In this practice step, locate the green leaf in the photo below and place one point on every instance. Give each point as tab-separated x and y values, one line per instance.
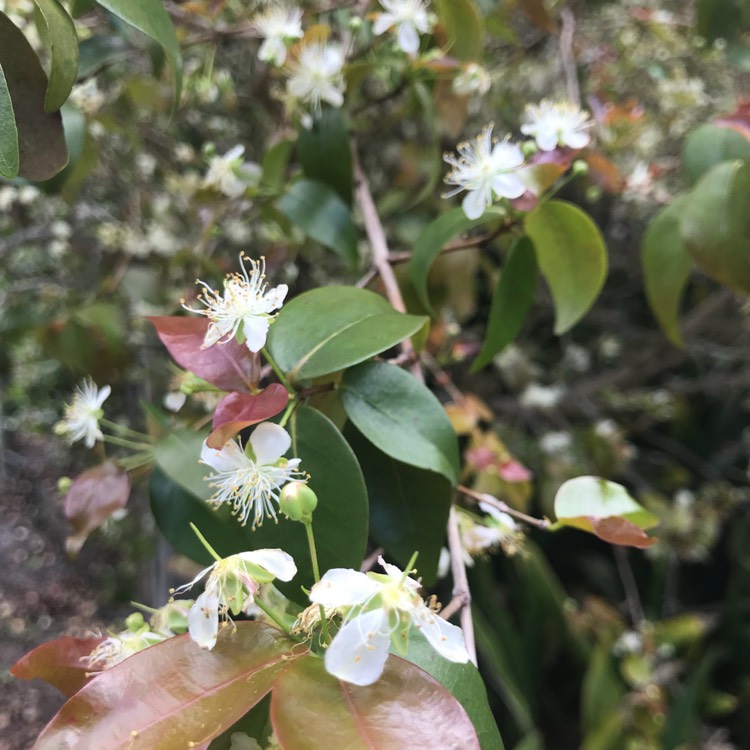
710	145
419	499
9	159
463	22
150	17
274	164
430	243
601	691
174	509
715	224
465	685
340	520
666	267
405	708
572	257
59	34
178	456
173	694
41	151
328	329
324	153
511	301
323	216
401	416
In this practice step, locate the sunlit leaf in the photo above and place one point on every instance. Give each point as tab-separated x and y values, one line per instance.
572	257
59	33
9	157
401	416
328	329
60	663
197	693
405	708
239	410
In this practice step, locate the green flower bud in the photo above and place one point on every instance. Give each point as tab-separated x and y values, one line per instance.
63	485
135	623
580	167
298	502
529	148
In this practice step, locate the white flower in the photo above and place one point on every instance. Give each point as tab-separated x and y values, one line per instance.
81	417
473	79
484	170
245	303
118	647
223	173
317	77
231	587
243	741
552	124
251	484
542	397
277	25
410	19
379	610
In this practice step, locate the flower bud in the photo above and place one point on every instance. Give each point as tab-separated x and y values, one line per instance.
298	502
580	167
63	485
135	622
529	148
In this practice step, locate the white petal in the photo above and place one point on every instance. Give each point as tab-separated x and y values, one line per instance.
546	140
508	186
393	572
507	155
275	561
382	23
359	651
474	204
446	639
106	390
203	620
408	39
275	297
341	587
230	458
576	139
270	442
255	328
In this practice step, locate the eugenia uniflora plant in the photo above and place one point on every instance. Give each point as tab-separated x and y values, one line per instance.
313	628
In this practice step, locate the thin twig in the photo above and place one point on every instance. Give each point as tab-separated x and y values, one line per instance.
460	585
380	253
632	597
567	55
480	497
369	562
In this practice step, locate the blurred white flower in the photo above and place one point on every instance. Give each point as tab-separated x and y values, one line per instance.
542	397
379	610
117	648
278	25
223	173
243	741
81	416
485	169
555	124
317	75
174	400
555	443
232	585
245	303
410	19
251	484
473	79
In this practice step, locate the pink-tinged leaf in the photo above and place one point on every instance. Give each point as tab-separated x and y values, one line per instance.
239	410
513	471
738	120
59	662
173	695
618	530
229	366
405	708
604	173
92	498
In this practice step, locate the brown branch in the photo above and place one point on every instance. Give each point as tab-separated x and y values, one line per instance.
480	497
567	55
369	562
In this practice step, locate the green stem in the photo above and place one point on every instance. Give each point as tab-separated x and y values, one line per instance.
316	576
124	430
211	551
277	370
125	443
274	616
288	413
136	460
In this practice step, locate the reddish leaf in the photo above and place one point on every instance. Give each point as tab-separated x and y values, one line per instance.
173	695
604	173
59	662
738	120
513	471
230	366
92	498
618	530
405	708
239	410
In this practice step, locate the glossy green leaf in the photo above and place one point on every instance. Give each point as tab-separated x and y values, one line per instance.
41	140
715	224
401	416
666	267
174	509
430	243
340	520
325	155
9	157
464	683
710	145
151	18
59	33
405	708
511	300
174	694
178	456
572	256
418	498
463	22
328	329
319	211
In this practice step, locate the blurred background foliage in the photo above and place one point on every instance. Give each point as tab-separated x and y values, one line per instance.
581	644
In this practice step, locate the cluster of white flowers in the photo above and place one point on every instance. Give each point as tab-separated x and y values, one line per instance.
554	124
81	416
245	303
317	75
278	25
